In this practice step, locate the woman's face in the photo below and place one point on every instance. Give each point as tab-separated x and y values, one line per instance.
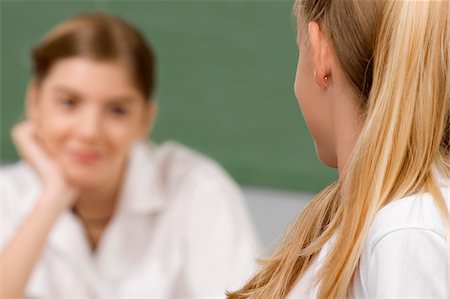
314	103
88	115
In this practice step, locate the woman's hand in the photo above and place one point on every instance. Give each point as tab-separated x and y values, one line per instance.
20	254
57	189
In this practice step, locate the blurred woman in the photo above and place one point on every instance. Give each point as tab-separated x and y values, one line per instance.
93	211
373	83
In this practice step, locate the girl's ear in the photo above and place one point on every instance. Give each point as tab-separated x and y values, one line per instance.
149	118
320	54
31	100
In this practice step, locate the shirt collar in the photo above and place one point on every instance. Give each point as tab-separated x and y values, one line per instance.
142	190
142	194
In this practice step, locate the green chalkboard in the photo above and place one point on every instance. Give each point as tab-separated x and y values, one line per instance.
226	72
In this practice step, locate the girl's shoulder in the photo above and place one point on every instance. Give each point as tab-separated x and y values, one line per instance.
18	178
180	175
405	252
414	212
178	164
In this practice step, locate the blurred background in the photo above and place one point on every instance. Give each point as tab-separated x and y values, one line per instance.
225	70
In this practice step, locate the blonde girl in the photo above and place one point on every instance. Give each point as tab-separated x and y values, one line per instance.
373	83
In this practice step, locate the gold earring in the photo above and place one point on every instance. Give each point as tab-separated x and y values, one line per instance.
325	80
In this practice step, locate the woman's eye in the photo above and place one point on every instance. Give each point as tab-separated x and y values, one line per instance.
67	102
119	111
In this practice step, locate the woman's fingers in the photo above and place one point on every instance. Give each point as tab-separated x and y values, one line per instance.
31	149
24	136
21	136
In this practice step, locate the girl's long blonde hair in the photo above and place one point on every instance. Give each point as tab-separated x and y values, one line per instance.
396	56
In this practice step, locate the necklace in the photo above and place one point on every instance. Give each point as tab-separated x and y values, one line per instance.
92	222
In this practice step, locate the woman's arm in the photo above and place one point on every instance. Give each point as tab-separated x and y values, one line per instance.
20	254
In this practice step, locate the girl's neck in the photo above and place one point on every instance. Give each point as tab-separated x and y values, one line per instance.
95	208
348	123
98	203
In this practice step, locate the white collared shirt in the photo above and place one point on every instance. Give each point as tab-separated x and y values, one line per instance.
180	231
404	255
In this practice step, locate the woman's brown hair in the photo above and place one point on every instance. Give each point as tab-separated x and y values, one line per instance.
100	37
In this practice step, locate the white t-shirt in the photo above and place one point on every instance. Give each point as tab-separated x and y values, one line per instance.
404	256
181	231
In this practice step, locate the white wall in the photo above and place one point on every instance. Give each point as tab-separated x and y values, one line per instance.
272	211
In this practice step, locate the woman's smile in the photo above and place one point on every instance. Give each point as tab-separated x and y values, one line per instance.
86	157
